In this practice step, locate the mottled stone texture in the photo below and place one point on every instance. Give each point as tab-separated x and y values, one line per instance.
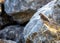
35	31
56	12
23	10
13	32
6	41
35	21
12	6
20	12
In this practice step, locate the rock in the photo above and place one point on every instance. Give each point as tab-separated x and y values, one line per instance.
56	13
22	11
13	32
35	29
6	41
36	22
22	5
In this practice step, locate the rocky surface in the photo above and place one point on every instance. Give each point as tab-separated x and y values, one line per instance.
35	31
23	10
12	6
13	32
19	12
6	41
56	13
35	21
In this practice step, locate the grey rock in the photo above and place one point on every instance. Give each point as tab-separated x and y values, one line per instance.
13	32
23	17
23	10
56	13
34	29
36	21
6	41
12	6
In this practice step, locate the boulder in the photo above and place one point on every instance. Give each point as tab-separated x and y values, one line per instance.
23	10
13	32
13	6
35	31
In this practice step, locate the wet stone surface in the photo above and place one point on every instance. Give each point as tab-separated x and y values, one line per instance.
13	6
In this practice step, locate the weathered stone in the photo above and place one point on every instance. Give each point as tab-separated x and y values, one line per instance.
13	32
23	10
56	12
12	6
6	41
36	25
36	21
